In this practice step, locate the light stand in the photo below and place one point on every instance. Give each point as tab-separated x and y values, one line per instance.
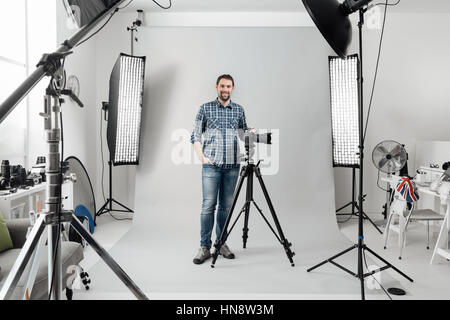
354	205
54	216
107	207
334	32
134	28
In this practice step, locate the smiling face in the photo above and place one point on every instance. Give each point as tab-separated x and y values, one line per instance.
225	89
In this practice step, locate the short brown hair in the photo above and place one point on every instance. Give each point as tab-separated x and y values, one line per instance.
225	76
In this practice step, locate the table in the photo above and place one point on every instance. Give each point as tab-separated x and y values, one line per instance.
17	205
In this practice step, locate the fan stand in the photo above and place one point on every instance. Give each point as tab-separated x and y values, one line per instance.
355	205
387	206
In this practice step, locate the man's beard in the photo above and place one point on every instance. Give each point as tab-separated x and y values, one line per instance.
224	96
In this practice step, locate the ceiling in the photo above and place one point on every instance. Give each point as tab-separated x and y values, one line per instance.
221	5
405	6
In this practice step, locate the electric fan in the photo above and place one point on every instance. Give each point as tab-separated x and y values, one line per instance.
389	156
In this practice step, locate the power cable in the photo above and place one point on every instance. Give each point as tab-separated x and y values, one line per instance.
100	29
162	7
367	267
126	5
103	162
386	4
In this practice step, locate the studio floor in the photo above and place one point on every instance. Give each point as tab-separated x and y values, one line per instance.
430	281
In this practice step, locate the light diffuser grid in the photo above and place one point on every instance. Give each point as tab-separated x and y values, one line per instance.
344	110
129	110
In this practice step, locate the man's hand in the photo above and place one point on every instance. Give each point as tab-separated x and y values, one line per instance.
206	160
251	130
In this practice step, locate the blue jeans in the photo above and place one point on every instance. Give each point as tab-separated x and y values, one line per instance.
216	183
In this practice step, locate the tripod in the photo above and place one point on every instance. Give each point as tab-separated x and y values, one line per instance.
355	205
247	172
107	207
361	246
53	215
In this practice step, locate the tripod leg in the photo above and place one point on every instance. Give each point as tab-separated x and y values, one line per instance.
360	267
123	206
343	207
365	216
224	235
22	260
103	208
286	244
34	267
110	262
247	209
332	258
388	264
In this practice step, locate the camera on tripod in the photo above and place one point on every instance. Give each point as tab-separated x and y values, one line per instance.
249	172
251	139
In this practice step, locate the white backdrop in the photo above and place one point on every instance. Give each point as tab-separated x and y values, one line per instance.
282	82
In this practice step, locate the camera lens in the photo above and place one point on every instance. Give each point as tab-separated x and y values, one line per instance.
6	170
446	165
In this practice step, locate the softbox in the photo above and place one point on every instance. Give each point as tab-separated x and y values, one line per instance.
126	92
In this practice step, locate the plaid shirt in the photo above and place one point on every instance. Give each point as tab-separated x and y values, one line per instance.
220	127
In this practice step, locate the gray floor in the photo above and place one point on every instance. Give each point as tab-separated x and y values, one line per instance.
259	272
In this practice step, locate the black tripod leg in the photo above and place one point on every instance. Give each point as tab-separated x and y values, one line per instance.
388	264
365	216
249	198
360	268
286	244
332	258
102	209
343	207
224	235
123	206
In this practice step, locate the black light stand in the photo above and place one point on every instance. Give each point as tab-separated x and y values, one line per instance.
360	246
134	28
354	205
108	206
53	216
247	172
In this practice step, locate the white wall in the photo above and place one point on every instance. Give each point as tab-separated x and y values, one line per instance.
80	125
412	97
410	101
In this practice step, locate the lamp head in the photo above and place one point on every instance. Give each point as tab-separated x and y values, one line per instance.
140	19
331	18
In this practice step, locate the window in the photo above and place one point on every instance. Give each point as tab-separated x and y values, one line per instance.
13	70
28	29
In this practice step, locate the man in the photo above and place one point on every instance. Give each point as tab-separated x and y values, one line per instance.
218	122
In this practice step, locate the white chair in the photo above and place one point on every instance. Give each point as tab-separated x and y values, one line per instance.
406	212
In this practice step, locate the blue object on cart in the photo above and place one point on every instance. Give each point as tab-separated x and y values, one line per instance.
82	211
